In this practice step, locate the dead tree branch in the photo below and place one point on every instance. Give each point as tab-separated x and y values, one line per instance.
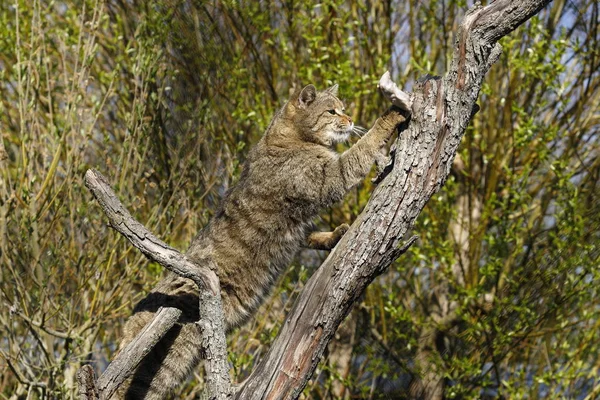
212	320
141	238
129	358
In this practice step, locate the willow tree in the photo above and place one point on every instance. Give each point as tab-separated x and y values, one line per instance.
494	298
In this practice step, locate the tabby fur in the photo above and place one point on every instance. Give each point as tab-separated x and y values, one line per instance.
289	177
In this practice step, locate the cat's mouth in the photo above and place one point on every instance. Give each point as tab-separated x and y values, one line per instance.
343	134
339	137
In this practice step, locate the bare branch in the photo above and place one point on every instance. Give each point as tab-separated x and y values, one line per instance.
129	358
212	320
500	18
140	237
44	328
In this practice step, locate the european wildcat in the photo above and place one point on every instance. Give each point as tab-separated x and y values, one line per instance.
288	178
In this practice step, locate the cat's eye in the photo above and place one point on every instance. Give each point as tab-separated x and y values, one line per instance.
332	112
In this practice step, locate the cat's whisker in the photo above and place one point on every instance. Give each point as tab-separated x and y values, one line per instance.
359	131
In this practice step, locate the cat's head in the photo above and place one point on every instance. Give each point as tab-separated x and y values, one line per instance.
320	116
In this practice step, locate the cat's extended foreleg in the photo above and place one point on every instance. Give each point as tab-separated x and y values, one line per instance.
348	169
326	240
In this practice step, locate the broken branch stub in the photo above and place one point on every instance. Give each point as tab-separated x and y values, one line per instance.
392	92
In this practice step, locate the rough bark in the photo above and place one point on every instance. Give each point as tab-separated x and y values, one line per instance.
212	319
441	111
86	383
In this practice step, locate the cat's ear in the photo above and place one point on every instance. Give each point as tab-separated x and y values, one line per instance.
333	90
307	96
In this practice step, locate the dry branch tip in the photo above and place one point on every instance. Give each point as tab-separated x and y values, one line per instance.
393	93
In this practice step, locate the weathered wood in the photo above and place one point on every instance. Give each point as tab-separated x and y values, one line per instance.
392	92
218	384
141	238
212	320
124	365
441	110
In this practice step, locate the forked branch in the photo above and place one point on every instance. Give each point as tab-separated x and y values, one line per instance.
211	322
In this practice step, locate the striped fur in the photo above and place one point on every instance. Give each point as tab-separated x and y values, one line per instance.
289	177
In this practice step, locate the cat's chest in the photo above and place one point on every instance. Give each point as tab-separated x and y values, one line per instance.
284	245
296	233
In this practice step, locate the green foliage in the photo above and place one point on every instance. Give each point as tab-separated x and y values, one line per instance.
523	229
499	296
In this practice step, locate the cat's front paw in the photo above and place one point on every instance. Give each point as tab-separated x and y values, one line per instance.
392	117
383	166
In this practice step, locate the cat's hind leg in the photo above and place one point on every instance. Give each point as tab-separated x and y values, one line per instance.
326	240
